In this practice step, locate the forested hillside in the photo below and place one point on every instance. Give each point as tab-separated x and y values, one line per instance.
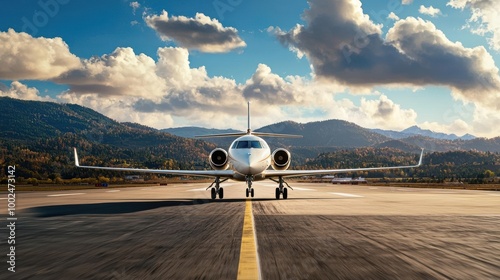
38	138
455	165
32	120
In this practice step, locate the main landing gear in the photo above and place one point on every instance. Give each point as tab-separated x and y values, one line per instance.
217	190
281	189
249	191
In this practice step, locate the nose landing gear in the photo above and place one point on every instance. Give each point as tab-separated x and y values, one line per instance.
249	191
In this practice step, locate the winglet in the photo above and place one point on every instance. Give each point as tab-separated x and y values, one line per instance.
421	157
77	163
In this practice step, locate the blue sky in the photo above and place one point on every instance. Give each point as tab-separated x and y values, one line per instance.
241	50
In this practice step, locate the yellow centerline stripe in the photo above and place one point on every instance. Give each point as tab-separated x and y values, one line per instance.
248	267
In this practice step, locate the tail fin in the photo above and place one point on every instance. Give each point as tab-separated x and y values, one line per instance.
249	129
264	134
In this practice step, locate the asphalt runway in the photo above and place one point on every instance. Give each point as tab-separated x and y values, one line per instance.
321	231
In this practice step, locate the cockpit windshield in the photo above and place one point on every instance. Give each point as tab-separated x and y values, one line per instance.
247	145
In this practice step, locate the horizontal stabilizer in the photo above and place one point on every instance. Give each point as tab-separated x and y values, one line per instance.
265	134
238	134
234	134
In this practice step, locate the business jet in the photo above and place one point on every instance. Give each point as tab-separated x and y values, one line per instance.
248	159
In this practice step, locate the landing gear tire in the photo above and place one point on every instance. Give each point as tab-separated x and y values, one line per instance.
251	192
277	193
285	193
221	193
214	194
247	192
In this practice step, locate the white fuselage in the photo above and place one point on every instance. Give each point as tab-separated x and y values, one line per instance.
249	155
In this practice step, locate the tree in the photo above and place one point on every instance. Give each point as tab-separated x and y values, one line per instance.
103	179
489	174
76	181
33	181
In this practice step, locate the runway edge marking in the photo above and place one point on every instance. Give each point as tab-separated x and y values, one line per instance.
248	267
346	194
65	194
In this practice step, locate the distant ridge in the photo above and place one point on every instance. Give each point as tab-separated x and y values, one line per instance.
329	133
417	131
325	135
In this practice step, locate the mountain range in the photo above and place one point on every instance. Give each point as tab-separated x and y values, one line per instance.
26	121
38	136
417	131
343	134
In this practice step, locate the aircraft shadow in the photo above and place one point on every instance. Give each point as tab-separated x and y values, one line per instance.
127	206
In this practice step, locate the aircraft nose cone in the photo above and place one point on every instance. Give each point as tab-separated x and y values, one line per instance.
247	164
247	168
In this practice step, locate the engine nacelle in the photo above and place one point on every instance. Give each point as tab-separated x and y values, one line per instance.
280	159
218	159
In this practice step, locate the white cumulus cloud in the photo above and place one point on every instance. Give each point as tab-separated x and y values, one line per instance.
484	19
385	113
458	127
430	11
393	16
119	73
135	5
345	46
470	72
23	57
21	91
201	32
130	87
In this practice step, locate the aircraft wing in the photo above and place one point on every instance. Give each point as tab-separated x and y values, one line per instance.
202	173
296	173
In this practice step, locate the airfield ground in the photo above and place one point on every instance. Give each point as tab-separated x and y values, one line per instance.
322	231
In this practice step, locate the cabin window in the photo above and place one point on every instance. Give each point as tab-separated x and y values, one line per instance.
255	144
242	145
247	145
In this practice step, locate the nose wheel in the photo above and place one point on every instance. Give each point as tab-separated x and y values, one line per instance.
249	191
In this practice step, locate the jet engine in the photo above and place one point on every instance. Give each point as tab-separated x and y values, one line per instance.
280	159
218	159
